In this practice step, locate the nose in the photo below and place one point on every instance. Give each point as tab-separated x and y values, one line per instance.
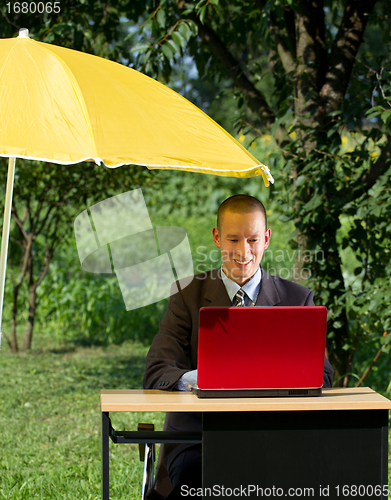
244	248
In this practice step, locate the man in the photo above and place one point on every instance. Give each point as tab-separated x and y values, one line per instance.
242	237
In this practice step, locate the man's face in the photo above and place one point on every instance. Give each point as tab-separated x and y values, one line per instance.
242	239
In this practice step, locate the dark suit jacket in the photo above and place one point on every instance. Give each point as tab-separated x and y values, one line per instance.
174	349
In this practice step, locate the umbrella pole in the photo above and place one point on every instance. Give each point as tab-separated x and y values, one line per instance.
6	232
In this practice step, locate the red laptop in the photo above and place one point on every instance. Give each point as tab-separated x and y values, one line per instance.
261	351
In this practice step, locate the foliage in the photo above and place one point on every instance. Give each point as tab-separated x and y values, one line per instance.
308	73
88	26
89	310
311	73
47	198
354	285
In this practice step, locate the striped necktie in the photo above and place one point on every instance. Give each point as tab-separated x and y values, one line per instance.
239	298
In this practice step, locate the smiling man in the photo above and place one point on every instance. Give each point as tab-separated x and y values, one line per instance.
242	237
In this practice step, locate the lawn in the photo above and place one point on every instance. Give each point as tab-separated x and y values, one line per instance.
50	444
50	419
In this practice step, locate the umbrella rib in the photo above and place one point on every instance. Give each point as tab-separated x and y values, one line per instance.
79	96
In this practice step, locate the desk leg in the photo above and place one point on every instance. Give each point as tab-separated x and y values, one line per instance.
105	455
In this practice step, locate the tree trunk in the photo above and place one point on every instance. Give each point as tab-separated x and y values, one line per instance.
14	337
32	286
28	336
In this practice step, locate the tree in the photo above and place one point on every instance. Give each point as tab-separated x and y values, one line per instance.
313	73
305	72
47	198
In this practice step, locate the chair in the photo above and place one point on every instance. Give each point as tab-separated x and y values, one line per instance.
159	486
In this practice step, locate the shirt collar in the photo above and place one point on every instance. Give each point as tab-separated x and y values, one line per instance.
251	287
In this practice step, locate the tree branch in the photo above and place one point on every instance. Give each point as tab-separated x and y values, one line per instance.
49	250
19	223
255	99
45	268
371	176
284	52
343	53
310	57
39	228
371	365
286	46
24	266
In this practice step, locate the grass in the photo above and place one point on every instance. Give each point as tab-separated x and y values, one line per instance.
50	443
50	418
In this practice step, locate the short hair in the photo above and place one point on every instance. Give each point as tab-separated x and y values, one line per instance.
240	204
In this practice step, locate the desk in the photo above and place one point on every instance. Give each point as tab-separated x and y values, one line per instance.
320	443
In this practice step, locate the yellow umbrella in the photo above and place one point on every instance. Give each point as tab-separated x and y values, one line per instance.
65	106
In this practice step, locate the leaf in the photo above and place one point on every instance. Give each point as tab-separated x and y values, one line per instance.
146	56
168	51
176	48
178	39
335	113
202	13
361	212
161	18
315	201
200	4
184	30
140	48
300	180
130	35
375	108
49	38
386	116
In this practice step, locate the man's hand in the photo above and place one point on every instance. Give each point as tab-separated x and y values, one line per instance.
187	381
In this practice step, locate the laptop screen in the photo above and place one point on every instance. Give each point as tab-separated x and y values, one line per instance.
261	347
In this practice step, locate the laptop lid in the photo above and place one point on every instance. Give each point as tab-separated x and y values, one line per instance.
261	347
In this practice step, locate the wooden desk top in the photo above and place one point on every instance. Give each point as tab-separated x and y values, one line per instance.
360	398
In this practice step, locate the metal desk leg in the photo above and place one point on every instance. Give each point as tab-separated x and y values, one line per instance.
105	455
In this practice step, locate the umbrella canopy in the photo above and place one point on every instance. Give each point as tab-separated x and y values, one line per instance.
65	106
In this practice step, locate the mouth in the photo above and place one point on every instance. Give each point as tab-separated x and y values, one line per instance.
242	262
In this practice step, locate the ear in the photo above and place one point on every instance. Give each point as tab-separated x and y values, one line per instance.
267	238
216	237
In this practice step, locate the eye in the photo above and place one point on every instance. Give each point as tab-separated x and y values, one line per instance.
232	240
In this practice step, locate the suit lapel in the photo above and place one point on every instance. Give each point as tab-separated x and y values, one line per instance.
268	294
215	293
